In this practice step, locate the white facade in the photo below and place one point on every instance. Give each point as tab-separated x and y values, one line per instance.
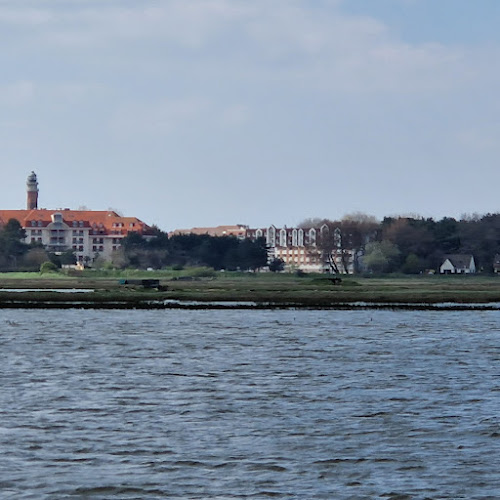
458	264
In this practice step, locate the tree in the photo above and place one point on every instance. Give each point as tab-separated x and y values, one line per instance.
142	252
412	237
34	258
345	239
48	267
379	256
11	245
68	258
252	254
276	265
312	222
412	264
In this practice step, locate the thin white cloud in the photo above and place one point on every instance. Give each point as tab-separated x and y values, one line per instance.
269	89
282	40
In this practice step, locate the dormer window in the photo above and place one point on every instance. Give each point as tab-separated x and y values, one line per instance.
57	218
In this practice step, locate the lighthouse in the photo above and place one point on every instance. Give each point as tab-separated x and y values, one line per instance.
32	192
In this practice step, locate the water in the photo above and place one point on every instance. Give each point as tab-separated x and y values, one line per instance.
249	404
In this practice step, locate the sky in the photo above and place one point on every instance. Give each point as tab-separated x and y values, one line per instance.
205	112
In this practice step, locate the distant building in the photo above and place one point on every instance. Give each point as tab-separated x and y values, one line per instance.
496	263
303	248
88	233
458	264
299	247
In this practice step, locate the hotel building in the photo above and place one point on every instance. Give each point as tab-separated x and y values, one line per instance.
88	233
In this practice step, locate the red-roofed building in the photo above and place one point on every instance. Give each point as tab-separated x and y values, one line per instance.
88	233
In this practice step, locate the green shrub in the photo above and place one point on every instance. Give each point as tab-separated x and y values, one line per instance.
48	267
203	272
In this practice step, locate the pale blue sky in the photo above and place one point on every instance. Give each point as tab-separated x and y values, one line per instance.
205	112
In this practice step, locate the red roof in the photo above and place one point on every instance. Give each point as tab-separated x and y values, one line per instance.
108	221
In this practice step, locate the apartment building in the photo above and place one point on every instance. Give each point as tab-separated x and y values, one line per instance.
300	248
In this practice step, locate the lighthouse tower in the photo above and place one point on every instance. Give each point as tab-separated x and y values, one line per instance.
32	191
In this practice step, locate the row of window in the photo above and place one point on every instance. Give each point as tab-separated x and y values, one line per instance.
81	223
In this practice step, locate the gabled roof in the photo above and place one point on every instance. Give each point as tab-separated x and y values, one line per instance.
459	261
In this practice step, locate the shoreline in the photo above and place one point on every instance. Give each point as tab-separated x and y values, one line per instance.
231	305
250	291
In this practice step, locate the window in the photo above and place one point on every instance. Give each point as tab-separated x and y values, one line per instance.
283	237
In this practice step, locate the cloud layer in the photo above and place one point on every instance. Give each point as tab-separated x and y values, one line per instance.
255	112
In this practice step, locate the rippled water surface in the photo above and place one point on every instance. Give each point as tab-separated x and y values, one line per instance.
249	404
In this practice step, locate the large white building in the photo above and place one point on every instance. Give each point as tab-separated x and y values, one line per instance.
300	248
88	233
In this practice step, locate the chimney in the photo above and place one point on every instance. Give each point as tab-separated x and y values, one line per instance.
32	192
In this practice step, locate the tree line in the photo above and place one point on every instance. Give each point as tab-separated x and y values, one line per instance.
218	252
413	244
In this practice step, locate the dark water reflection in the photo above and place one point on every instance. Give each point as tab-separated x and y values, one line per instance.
235	404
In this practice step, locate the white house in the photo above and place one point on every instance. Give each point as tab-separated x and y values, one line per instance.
458	264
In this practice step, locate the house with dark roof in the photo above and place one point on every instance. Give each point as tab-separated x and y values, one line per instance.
458	264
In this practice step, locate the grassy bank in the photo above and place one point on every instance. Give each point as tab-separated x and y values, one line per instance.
203	285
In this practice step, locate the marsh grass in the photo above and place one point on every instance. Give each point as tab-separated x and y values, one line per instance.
269	288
